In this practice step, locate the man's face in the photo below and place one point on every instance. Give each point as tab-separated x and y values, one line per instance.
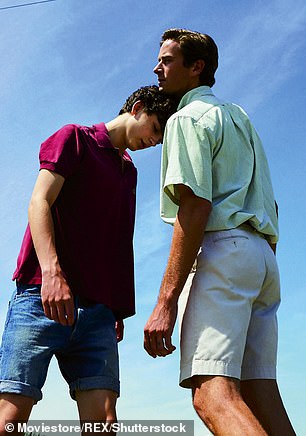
173	77
144	131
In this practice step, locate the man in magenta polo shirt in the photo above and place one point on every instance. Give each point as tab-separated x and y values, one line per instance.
75	270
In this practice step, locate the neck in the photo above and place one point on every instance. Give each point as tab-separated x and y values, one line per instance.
181	94
116	130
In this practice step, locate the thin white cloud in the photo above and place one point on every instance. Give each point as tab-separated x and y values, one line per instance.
263	51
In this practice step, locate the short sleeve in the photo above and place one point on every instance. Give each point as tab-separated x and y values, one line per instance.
187	158
62	152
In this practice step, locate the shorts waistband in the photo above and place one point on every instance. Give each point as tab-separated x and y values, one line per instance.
247	226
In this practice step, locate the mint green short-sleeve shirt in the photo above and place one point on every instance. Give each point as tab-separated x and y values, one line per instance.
212	147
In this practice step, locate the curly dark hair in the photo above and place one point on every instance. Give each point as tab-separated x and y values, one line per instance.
155	102
194	46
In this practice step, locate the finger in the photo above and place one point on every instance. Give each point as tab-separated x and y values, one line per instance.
168	343
53	312
161	350
47	309
69	312
147	344
157	344
152	343
61	313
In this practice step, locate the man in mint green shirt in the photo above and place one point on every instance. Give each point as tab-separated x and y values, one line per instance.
210	167
216	190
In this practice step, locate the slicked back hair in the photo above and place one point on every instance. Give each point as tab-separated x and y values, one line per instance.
195	46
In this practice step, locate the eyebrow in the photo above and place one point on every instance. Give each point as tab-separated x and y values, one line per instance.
160	58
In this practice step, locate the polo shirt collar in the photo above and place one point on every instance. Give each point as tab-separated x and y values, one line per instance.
103	139
102	136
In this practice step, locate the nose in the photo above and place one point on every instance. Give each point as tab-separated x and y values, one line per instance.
157	68
157	139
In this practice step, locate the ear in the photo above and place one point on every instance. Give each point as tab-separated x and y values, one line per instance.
137	107
198	67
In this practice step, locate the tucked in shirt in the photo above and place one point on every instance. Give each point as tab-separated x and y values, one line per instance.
212	147
93	218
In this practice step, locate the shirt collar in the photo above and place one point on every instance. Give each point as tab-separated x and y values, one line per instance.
193	94
103	139
102	136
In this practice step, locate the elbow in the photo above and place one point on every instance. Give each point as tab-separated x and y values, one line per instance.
201	206
207	206
32	209
37	207
194	213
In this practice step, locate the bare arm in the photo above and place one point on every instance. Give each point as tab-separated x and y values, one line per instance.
187	237
56	296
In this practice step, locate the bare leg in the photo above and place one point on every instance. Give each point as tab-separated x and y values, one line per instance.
263	398
218	403
14	407
97	405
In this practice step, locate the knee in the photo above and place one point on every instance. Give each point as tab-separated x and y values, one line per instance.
110	414
13	407
97	405
207	407
214	398
110	408
199	406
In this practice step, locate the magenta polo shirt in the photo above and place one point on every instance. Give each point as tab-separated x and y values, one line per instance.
93	218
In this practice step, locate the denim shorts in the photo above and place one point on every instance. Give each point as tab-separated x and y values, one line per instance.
228	309
87	352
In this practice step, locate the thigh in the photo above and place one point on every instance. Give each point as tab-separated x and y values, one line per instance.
91	359
215	323
27	344
214	392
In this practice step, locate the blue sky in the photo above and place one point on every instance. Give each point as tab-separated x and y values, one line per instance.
76	61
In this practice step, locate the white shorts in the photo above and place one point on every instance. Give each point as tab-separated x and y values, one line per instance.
228	308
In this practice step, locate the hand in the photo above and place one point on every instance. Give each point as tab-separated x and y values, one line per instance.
57	299
158	331
119	329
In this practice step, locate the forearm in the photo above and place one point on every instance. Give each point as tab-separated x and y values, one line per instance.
187	237
42	231
188	234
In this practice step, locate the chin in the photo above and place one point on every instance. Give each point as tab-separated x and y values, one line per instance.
167	90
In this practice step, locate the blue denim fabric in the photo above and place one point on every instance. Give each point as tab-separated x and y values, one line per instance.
87	352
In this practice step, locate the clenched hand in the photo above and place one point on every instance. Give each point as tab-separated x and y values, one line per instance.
57	299
158	330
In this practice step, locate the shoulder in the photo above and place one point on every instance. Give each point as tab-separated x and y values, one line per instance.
64	134
197	114
200	106
65	141
70	130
